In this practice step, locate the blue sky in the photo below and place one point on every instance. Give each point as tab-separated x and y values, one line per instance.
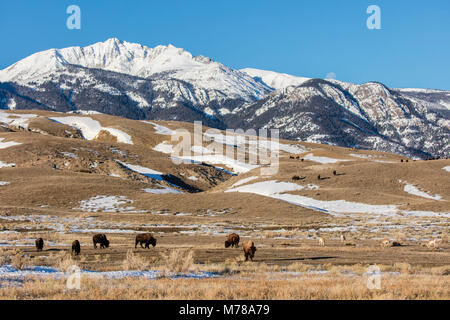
304	38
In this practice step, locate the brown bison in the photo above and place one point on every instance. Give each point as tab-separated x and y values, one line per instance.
249	250
76	248
232	240
39	244
145	238
101	239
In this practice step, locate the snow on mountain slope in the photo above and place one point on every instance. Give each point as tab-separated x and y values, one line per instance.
141	61
367	116
274	79
168	83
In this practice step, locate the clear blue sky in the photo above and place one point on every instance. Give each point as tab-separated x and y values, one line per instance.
304	38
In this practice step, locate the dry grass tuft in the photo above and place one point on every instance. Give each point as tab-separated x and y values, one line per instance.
135	261
19	260
63	261
179	260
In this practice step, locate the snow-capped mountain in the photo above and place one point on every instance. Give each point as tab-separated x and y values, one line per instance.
367	116
274	79
168	83
140	61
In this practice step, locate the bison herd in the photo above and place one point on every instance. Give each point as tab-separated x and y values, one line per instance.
147	239
232	240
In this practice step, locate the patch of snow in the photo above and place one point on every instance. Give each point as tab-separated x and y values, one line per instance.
201	150
275	189
235	165
4	183
322	160
447	168
143	170
243	181
193	178
411	189
427	214
90	128
70	154
159	129
4	145
164	147
6	165
164	190
16	119
106	204
9	272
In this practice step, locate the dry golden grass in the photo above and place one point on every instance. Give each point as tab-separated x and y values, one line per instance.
134	261
331	286
178	260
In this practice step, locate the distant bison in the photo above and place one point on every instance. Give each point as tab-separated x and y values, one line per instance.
249	250
321	242
385	243
232	240
39	244
434	243
145	238
101	239
76	248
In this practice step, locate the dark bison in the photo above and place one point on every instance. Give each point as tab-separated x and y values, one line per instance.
39	244
249	250
101	239
232	240
145	238
76	248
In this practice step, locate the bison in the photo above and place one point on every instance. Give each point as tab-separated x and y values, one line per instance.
232	240
145	238
101	239
249	250
321	242
39	244
76	248
434	243
385	243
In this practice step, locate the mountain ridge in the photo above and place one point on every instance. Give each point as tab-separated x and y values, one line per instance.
168	83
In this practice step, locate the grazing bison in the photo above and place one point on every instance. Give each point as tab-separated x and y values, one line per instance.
145	238
76	248
385	243
39	244
434	243
249	250
232	240
321	242
101	239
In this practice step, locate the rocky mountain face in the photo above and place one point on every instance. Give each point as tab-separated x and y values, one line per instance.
168	83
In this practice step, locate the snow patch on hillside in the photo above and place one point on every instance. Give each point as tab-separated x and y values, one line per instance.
91	128
4	145
159	129
16	119
6	165
411	189
323	160
275	189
